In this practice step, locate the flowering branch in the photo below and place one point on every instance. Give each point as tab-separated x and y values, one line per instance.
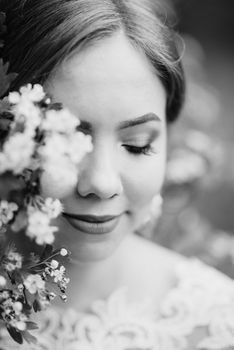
31	129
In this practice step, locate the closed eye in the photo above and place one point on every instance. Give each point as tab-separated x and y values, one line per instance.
137	150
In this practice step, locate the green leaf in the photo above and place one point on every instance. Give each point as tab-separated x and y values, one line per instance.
5	78
31	325
16	335
27	308
36	306
5	108
29	337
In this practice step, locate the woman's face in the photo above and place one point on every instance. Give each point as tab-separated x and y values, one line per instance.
112	88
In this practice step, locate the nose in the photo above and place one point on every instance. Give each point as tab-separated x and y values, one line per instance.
99	175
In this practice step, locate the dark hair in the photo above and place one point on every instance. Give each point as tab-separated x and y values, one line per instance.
42	33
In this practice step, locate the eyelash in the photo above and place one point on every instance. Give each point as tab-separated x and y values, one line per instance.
135	150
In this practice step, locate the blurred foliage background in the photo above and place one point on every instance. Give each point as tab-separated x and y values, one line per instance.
198	210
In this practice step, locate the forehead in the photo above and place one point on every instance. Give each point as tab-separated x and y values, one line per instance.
110	78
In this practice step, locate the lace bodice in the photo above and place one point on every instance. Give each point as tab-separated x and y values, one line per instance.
198	313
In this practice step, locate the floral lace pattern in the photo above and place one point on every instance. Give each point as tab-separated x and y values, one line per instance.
197	314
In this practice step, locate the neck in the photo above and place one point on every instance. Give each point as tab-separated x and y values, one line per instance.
97	279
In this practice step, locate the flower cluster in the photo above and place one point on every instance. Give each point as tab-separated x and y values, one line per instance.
12	310
13	261
7	212
39	226
25	288
40	148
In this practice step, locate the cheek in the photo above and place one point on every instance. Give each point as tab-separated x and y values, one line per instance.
144	180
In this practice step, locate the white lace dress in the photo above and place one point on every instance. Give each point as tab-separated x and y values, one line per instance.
198	313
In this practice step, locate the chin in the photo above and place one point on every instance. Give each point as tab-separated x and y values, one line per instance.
85	247
91	252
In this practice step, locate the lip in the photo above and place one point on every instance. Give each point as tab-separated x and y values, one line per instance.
93	224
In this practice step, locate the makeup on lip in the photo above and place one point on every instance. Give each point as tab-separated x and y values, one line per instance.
93	224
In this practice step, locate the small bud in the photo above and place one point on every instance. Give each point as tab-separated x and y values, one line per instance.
21	326
14	97
52	296
5	295
67	280
18	307
48	270
3	281
54	264
63	297
20	287
63	252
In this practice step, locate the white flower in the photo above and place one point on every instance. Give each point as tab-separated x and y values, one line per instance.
59	274
61	121
7	210
39	227
25	111
17	306
63	252
3	281
34	283
14	256
52	207
54	264
14	317
33	93
14	97
17	153
14	261
20	325
60	156
24	108
9	206
4	295
55	147
59	178
73	147
78	145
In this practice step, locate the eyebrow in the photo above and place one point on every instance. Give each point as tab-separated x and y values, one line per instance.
140	120
148	117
